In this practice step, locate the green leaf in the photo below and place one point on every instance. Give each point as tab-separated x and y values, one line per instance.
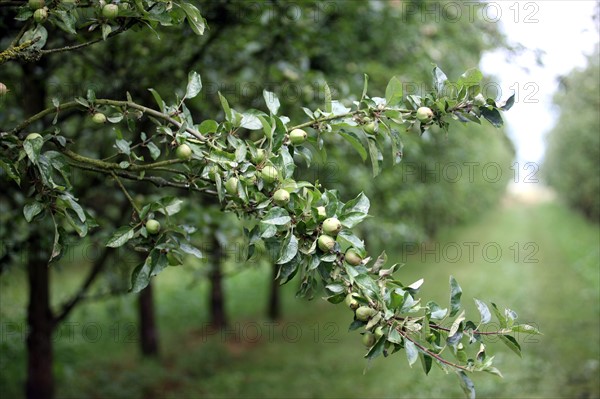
493	116
32	148
276	216
426	362
194	18
194	85
289	249
328	107
412	353
355	142
106	30
190	250
509	103
439	79
455	294
512	343
359	204
526	328
365	85
120	237
226	109
32	209
376	156
154	150
499	316
484	311
377	349
169	205
393	91
272	101
466	384
72	203
471	77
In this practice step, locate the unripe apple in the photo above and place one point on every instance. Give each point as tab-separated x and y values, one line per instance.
424	114
370	127
99	117
40	15
36	4
33	136
364	313
260	156
298	136
231	185
332	226
326	243
379	332
321	213
183	152
269	174
351	302
281	197
479	100
352	257
368	339
110	11
152	226
3	89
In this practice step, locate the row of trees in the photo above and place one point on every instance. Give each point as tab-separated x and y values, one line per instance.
141	142
573	156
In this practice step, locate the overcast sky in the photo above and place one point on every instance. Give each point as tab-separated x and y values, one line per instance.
565	32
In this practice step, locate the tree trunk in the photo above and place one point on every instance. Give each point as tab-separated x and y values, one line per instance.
40	381
274	307
148	329
218	316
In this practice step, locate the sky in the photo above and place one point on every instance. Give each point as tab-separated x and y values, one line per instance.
565	32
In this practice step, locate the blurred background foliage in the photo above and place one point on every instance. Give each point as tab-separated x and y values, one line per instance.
572	161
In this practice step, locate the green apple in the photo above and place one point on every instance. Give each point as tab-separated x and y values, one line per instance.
364	313
260	156
321	213
368	339
40	15
352	257
424	114
231	185
152	226
351	302
36	4
370	127
379	332
326	243
33	136
269	174
183	152
110	11
332	226
99	117
298	136
281	197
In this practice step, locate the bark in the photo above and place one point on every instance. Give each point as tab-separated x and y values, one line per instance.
40	381
274	306
218	314
148	328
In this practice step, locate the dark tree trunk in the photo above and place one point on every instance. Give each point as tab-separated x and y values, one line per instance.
40	382
148	329
274	307
218	316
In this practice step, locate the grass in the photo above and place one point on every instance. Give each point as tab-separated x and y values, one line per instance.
552	281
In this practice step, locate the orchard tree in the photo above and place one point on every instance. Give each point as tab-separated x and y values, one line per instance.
573	155
245	161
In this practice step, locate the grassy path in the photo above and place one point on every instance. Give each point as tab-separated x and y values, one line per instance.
540	259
